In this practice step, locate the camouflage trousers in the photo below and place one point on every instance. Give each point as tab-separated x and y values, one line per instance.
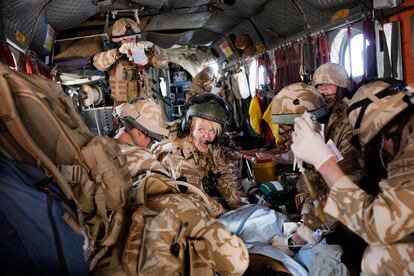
210	245
395	259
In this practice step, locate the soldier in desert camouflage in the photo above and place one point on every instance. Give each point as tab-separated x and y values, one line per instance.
332	81
381	113
142	123
128	63
292	101
195	156
202	82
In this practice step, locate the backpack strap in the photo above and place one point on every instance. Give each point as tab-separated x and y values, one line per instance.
14	125
192	189
152	184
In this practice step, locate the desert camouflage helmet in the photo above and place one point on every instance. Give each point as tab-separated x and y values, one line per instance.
125	28
204	78
375	104
331	73
145	115
207	106
293	100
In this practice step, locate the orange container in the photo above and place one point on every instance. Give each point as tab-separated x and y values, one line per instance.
264	170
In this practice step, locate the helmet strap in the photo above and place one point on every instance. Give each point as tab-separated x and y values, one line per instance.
131	135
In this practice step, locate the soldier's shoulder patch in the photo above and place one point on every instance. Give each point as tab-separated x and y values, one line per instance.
193	179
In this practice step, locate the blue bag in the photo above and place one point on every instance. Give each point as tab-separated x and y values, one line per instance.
34	237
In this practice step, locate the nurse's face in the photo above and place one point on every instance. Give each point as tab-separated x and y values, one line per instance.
203	133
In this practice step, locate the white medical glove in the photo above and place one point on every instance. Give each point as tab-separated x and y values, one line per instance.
281	243
123	49
308	145
145	44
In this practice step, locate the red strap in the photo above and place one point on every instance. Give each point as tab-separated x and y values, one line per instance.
270	68
290	63
315	53
29	65
299	61
349	47
320	47
285	65
326	47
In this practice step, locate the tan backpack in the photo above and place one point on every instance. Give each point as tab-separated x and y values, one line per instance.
172	233
39	125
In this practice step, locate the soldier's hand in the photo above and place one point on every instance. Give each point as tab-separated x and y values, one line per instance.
145	44
124	48
308	145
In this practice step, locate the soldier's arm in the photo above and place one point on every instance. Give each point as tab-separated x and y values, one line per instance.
227	181
159	58
104	60
352	164
384	219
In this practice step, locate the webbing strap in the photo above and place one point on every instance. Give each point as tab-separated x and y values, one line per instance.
270	68
395	40
326	47
394	88
285	66
276	87
194	190
290	61
315	53
71	173
321	53
350	50
299	60
386	56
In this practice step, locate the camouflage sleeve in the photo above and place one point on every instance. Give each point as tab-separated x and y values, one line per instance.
104	60
158	58
340	132
352	164
139	160
308	204
227	182
384	219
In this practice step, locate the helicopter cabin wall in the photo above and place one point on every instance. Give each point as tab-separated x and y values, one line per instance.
406	19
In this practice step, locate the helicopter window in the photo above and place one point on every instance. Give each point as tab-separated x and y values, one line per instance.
357	55
340	51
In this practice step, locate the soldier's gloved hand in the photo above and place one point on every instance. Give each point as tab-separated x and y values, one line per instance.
282	244
124	48
145	44
308	145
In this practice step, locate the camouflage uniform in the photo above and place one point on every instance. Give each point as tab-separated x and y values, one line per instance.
182	159
292	101
332	73
210	246
140	160
202	82
127	79
340	132
385	222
